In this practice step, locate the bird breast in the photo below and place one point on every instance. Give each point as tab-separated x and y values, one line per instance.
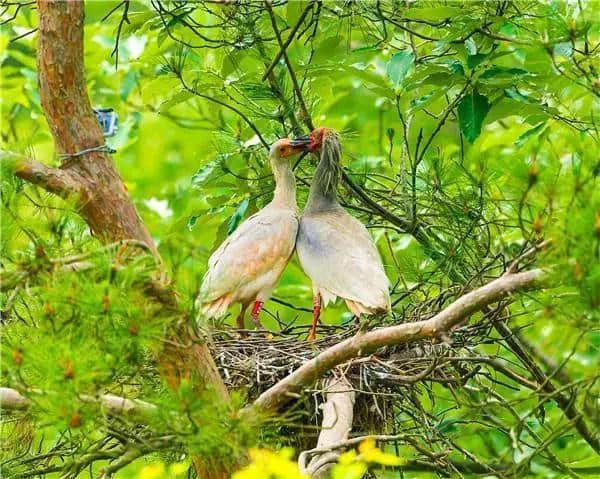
337	253
251	260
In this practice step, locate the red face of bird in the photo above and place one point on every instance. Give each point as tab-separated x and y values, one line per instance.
286	148
314	140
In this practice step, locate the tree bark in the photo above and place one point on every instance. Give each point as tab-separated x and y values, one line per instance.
103	199
92	178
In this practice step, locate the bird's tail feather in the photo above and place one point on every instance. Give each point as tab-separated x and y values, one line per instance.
359	308
327	297
216	308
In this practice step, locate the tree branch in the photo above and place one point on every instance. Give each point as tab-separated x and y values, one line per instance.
338	415
11	399
57	181
364	344
306	115
288	41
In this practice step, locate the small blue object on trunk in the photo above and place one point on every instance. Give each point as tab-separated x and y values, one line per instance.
108	119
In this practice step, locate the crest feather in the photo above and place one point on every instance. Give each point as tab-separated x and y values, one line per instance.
329	170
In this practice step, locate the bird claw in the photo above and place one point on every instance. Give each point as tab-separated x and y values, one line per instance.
258	324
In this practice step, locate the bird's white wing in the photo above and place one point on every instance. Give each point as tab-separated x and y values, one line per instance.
337	253
254	248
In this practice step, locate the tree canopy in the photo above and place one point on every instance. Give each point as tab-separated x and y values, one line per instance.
470	151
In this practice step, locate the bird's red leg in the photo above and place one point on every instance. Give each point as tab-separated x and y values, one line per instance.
255	312
312	335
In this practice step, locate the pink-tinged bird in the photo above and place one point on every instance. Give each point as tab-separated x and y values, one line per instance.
334	248
248	264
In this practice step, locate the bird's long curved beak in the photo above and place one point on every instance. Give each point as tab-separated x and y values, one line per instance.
302	142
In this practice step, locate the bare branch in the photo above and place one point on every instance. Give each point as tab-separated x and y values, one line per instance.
288	41
363	344
54	180
13	399
338	415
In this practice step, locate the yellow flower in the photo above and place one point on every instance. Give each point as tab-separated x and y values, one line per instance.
153	471
347	457
354	470
265	464
370	453
178	468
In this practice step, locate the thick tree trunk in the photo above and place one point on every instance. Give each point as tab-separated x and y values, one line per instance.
104	202
92	178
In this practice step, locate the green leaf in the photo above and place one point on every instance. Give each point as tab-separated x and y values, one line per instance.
128	84
294	10
471	46
192	222
529	133
207	172
399	66
176	99
327	50
502	72
237	216
515	94
204	216
474	60
457	68
439	12
417	103
137	20
471	112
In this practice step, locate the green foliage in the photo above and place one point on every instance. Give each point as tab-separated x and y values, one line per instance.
399	66
471	113
406	83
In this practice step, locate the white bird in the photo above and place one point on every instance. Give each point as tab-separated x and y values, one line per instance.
334	248
247	265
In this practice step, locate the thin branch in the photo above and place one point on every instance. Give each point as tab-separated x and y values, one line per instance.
124	19
11	399
306	115
193	91
288	41
363	344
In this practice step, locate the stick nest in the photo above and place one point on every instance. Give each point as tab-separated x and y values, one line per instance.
385	381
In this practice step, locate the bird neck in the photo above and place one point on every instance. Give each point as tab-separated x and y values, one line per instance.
284	195
323	190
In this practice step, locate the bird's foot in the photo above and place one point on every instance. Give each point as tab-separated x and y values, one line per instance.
258	324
